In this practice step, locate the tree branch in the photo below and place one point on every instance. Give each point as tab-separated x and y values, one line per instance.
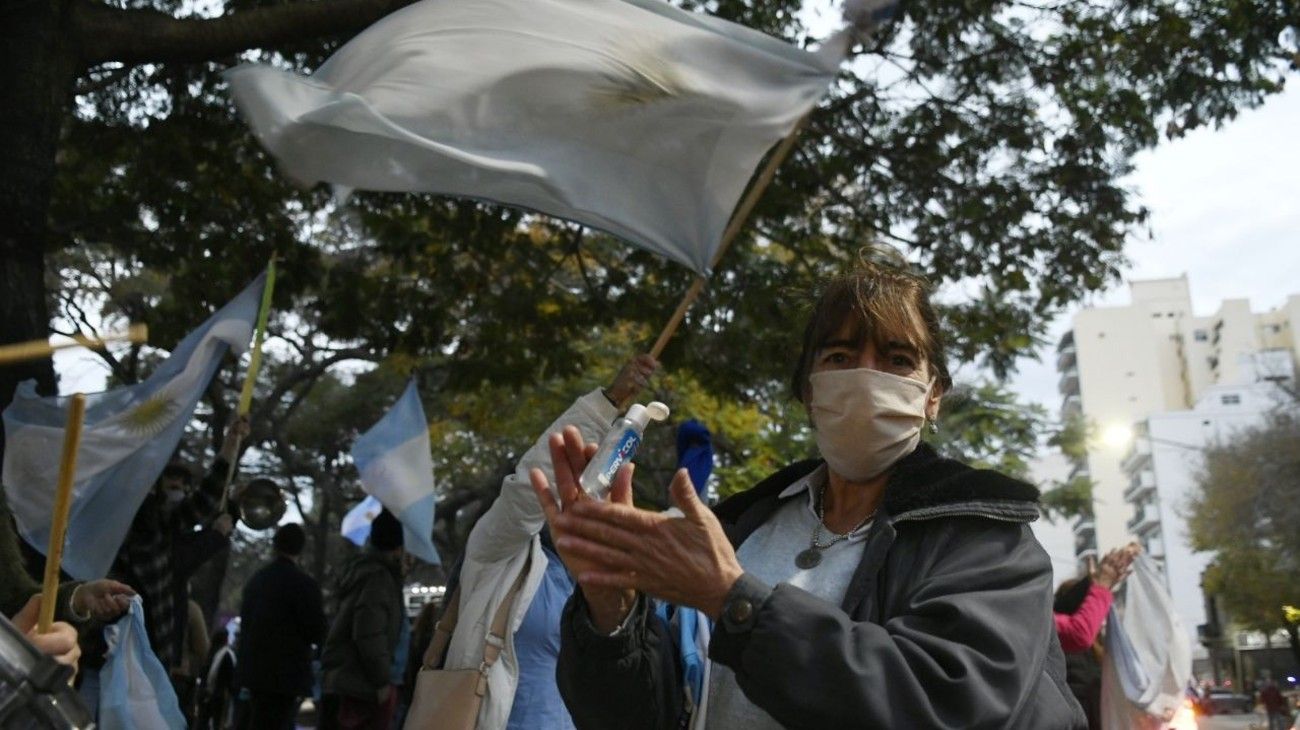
139	35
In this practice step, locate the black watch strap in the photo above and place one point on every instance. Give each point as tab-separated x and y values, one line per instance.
743	601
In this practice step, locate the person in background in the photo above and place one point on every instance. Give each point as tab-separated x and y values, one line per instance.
218	686
397	674
509	540
186	676
357	690
1275	705
1079	610
169	514
1079	627
280	619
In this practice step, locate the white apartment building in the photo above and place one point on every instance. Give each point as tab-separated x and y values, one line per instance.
1155	369
1162	466
1120	365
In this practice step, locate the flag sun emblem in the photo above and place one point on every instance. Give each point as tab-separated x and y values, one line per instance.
153	415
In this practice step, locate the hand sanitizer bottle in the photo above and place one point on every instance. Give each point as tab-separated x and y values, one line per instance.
618	446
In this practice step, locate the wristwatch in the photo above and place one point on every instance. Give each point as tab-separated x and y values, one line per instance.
743	601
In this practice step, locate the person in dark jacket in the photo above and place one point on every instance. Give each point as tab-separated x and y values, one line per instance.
881	585
358	658
280	620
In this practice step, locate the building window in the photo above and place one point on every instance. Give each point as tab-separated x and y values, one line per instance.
1231	399
1201	336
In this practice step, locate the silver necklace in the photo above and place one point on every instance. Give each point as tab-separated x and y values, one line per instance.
812	557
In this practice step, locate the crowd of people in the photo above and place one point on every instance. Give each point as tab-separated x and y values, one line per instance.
879	584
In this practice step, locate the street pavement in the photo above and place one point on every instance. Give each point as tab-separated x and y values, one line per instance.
1252	721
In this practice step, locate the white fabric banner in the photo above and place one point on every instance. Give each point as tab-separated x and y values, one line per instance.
630	116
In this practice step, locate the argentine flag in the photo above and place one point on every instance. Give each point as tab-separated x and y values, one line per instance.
356	523
129	435
396	468
632	116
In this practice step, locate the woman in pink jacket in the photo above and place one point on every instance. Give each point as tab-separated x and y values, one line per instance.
1078	629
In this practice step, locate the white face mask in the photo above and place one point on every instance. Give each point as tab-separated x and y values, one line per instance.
865	419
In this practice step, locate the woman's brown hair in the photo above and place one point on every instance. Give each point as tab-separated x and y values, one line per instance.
886	303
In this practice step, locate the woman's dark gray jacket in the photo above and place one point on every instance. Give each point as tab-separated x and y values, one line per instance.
947	622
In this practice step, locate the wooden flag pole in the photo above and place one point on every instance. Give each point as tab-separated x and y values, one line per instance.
250	378
35	349
732	230
62	504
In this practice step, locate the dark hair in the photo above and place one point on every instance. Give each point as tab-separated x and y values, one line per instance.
180	470
884	302
386	532
289	539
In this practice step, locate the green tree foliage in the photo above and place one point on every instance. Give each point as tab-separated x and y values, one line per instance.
1245	511
1072	497
986	139
986	426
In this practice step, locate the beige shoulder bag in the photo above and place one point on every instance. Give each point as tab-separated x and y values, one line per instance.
449	699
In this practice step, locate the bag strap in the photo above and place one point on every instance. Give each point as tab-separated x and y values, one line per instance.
442	631
495	640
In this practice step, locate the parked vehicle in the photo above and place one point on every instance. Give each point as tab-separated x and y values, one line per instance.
1220	701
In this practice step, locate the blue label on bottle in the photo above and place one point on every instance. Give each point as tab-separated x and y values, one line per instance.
626	447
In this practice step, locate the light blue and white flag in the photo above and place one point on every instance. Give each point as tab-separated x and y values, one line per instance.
135	691
396	468
129	435
631	116
356	523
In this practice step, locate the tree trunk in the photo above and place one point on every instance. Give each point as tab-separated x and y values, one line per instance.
40	68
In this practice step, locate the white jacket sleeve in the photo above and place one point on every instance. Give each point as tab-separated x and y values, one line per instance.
516	516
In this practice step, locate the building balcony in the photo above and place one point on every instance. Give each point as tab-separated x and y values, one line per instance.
1069	382
1071	406
1084	526
1067	342
1142	483
1144	521
1138	457
1066	359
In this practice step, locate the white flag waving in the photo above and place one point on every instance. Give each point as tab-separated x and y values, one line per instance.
631	116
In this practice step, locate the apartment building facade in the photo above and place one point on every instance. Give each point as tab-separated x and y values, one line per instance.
1120	365
1151	374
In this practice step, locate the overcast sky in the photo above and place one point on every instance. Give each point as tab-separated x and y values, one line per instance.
1225	207
1225	210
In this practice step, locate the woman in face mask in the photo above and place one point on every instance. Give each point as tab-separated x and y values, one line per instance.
880	585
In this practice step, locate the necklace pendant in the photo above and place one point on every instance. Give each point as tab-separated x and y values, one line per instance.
808	559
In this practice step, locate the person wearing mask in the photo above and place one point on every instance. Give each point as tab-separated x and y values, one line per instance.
879	585
281	618
168	516
357	691
508	541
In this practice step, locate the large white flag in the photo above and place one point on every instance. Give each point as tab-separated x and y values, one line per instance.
396	467
631	116
128	437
